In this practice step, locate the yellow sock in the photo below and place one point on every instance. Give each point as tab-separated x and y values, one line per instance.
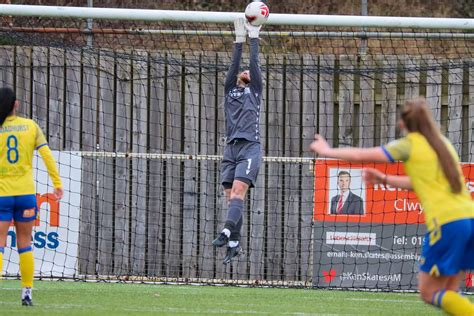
2	250
453	303
27	266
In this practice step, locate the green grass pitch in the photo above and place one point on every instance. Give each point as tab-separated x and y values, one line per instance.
81	298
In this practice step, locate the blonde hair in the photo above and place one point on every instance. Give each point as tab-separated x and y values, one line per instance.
417	118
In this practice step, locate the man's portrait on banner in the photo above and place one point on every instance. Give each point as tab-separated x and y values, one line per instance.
347	192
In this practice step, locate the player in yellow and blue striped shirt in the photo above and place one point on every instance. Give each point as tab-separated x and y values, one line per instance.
19	138
434	173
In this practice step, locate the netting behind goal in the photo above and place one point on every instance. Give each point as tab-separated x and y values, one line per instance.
134	113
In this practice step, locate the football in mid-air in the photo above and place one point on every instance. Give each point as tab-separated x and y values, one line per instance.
257	13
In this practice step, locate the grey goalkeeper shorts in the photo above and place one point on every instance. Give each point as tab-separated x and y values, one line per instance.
242	160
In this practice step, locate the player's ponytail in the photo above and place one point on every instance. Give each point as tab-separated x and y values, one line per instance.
417	118
7	102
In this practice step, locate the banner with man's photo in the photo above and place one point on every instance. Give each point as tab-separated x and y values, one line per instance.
368	236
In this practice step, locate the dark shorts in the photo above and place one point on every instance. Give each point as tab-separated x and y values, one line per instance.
21	208
449	249
242	160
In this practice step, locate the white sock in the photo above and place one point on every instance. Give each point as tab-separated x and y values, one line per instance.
233	243
226	232
27	291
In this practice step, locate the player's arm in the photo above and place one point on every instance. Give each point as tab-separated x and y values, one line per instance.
255	72
47	156
402	182
397	150
322	148
375	176
233	71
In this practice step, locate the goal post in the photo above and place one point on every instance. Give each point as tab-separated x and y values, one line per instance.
136	121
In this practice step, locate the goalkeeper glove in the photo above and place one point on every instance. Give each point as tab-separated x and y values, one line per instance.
240	31
253	31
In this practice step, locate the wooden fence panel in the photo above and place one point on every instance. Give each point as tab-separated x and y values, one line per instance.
23	80
367	104
89	101
255	250
174	171
326	97
7	66
88	132
56	99
208	169
40	87
305	237
292	174
191	89
433	90
389	100
123	100
105	165
87	254
139	167
346	101
310	117
156	227
274	170
256	242
73	103
411	66
173	241
73	100
310	102
455	96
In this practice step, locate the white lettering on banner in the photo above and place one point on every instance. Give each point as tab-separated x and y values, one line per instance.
377	187
405	205
351	238
384	255
350	276
412	256
336	254
55	238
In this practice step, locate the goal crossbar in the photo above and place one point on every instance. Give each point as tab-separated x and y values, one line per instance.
229	17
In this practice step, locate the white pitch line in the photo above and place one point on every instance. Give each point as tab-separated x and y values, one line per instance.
382	300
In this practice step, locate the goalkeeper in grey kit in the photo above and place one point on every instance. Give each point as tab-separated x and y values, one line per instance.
243	152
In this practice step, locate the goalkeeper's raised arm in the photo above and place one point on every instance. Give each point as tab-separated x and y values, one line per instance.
255	72
240	34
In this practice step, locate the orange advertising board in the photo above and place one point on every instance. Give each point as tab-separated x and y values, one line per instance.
380	204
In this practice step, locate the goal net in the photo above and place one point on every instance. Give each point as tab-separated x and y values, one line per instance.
132	106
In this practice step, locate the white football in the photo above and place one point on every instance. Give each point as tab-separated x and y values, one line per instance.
257	13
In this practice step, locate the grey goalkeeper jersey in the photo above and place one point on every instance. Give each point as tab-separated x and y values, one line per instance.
242	104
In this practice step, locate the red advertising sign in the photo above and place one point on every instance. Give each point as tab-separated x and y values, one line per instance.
367	203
